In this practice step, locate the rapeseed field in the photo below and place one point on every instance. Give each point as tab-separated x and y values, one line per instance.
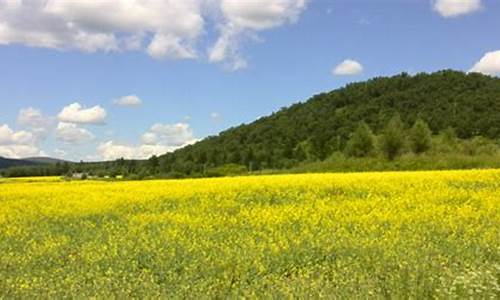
362	235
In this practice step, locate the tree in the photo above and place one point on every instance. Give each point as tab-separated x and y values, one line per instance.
154	163
361	142
392	138
420	137
304	152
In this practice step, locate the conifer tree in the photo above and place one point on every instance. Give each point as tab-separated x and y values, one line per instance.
420	137
361	143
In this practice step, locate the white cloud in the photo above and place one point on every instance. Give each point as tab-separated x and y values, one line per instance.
149	138
454	8
37	123
72	134
261	14
19	151
17	144
103	25
242	19
174	135
60	153
158	140
489	64
348	67
130	100
163	45
216	117
77	114
164	29
10	137
111	150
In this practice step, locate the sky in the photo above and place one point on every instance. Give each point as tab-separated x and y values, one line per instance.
100	80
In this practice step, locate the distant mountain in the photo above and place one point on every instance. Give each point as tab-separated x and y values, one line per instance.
45	160
30	161
10	162
468	103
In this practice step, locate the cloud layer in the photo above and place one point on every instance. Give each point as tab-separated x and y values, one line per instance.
163	29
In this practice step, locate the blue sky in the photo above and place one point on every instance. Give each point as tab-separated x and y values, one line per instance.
204	66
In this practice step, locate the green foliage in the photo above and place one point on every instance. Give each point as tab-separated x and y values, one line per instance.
227	170
420	137
304	151
479	145
392	139
361	142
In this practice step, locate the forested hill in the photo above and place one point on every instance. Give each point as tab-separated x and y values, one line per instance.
468	103
8	163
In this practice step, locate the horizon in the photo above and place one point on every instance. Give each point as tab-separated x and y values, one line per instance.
89	86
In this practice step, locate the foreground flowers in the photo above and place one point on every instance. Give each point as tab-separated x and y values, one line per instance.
407	234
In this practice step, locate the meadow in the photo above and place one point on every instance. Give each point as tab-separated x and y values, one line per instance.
433	234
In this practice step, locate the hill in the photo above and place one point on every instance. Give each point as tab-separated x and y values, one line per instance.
10	162
45	160
468	103
27	162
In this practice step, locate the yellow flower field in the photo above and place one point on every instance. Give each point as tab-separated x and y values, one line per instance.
364	235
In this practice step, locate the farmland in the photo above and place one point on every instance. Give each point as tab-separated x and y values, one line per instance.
395	234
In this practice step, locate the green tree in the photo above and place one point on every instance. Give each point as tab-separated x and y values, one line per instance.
154	163
361	143
304	152
420	137
392	138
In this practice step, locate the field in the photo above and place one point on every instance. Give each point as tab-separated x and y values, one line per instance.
377	235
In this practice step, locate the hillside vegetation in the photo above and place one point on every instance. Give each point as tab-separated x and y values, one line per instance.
447	116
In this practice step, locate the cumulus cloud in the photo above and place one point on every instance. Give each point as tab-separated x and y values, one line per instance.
159	139
75	113
348	67
489	64
130	100
454	8
111	150
174	135
33	119
9	137
163	29
72	134
17	144
242	19
169	28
